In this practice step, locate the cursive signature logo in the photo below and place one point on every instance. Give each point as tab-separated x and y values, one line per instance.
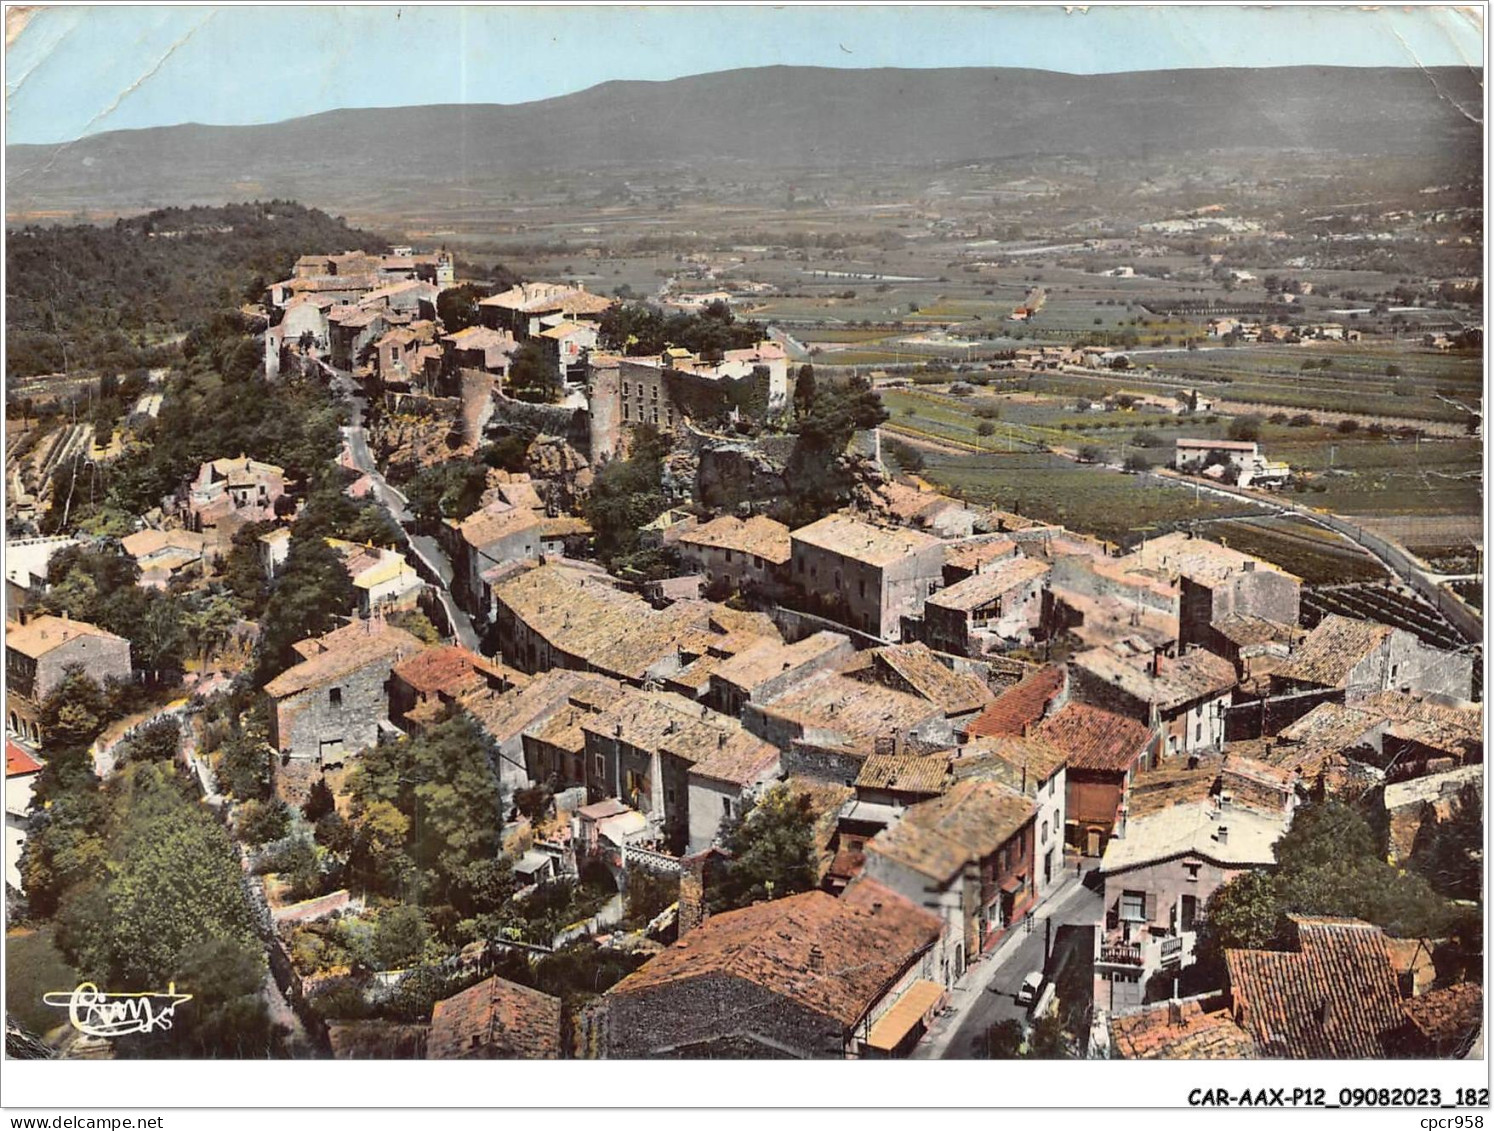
117	1015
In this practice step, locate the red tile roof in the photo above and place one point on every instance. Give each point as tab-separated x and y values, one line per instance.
495	1020
1094	739
1453	1013
1335	997
834	957
18	761
1019	706
1180	1031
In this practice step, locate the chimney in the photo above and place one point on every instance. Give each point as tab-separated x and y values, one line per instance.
1156	662
1221	834
692	908
1175	1012
1120	828
816	959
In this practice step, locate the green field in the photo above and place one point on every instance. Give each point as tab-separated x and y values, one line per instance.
1088	500
1317	556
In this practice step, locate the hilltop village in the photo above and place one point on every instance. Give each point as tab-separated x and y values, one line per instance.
530	673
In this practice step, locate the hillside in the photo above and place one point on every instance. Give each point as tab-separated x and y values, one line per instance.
773	117
109	297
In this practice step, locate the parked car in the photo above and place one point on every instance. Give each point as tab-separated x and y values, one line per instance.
1030	987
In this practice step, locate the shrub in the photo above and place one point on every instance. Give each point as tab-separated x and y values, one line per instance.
1137	462
1302	420
1348	426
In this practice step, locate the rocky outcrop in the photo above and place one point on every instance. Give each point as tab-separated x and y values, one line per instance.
730	474
561	473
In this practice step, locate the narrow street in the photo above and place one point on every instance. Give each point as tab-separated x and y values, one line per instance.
988	991
425	548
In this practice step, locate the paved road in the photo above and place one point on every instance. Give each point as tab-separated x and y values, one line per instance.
424	547
987	992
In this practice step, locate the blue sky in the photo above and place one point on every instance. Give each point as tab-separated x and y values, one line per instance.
83	70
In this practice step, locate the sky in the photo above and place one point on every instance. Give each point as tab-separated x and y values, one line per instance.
74	71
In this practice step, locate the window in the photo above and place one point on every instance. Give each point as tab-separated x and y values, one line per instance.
728	555
1198	732
1045	832
726	812
625	388
625	411
757	562
600	771
862	584
1133	906
1192	870
801	565
334	696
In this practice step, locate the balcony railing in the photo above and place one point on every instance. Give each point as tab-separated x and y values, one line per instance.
1172	947
1128	954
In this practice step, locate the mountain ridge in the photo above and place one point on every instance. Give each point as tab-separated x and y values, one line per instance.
776	117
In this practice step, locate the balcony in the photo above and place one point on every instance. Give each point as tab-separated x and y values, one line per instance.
1121	953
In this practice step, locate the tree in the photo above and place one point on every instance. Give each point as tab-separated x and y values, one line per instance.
1348	426
626	495
448	490
1090	454
1448	851
173	882
446	807
262	821
400	934
818	481
1245	428
804	390
771	852
1003	1040
244	768
159	740
532	376
1137	462
311	594
985	428
75	711
456	306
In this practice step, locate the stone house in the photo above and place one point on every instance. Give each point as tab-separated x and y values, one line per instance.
739	554
765	669
493	536
966	856
383	579
436	679
335	701
38	656
229	493
913	668
353	330
528	309
723	784
21	774
808	976
989	611
1362	657
508	717
1103	751
865	576
1038	771
1168	856
1182	697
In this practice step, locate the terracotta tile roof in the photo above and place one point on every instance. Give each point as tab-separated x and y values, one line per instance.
970	822
504	715
1010	759
495	1020
1335	997
982	588
1329	729
19	761
1020	706
1332	649
37	637
1092	739
1180	1031
1244	630
759	663
757	535
535	297
861	712
740	760
904	773
833	957
1453	1013
1179	554
1166	786
342	652
972	555
493	523
956	693
1179	680
874	545
143	543
454	670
